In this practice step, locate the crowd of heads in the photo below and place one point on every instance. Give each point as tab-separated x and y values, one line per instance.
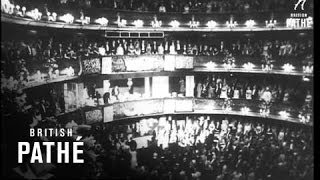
268	90
30	61
198	148
22	59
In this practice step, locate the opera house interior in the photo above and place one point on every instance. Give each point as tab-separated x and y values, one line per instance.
161	89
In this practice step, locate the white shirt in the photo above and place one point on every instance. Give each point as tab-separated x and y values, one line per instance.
162	9
120	50
160	49
236	94
223	93
248	94
266	96
172	50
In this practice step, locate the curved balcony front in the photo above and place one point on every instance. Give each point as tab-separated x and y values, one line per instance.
168	106
263	21
111	65
146	65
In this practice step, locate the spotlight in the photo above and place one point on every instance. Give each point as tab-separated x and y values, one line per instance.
211	24
34	14
287	67
193	23
308	69
264	112
174	24
228	66
271	23
102	21
67	18
248	66
231	24
304	118
211	65
245	110
138	23
250	23
155	23
284	114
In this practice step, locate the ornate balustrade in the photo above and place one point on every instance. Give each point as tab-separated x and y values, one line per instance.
154	107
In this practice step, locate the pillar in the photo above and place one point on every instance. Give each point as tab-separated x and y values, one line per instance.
189	86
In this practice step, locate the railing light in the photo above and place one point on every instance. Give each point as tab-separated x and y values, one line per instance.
287	67
250	23
102	21
248	66
284	114
67	18
138	23
174	24
211	24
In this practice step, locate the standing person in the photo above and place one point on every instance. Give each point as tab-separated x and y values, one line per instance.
133	161
154	48
92	90
254	92
172	48
120	50
137	48
160	49
148	49
236	93
131	49
248	93
116	92
266	95
211	91
106	98
223	93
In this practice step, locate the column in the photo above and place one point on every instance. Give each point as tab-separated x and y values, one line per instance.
160	86
189	86
147	92
106	86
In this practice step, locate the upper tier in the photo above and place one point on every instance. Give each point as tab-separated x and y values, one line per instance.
284	18
172	6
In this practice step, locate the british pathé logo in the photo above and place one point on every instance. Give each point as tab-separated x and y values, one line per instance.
299	20
301	3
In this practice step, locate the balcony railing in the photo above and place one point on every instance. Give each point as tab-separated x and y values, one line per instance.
114	65
76	22
154	107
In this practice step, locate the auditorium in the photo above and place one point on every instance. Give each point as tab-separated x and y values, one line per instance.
159	89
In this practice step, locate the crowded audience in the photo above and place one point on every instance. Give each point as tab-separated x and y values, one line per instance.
37	59
194	147
26	62
237	87
182	147
199	148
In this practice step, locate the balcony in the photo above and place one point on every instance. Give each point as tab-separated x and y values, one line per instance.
170	106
